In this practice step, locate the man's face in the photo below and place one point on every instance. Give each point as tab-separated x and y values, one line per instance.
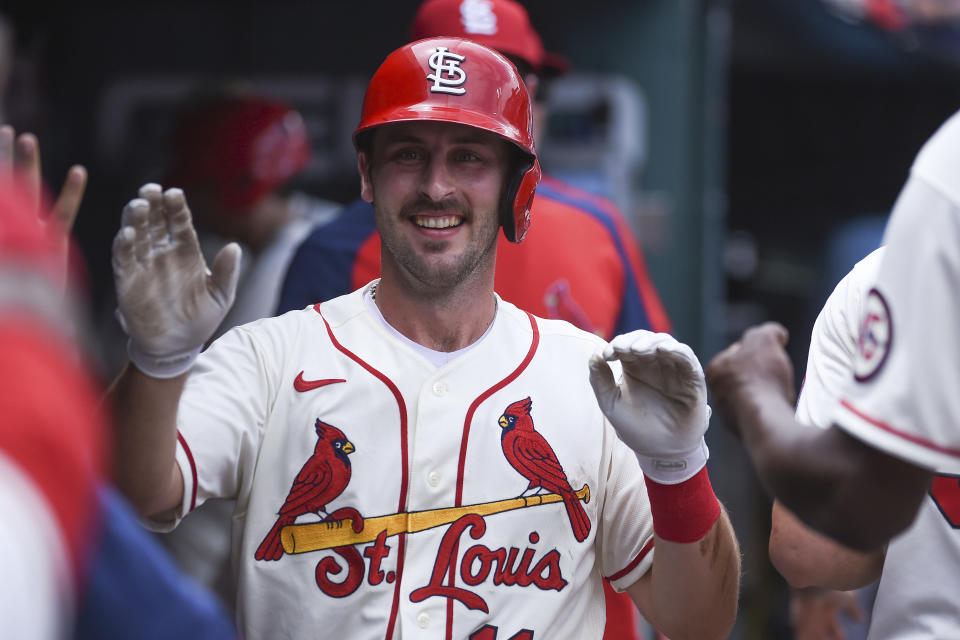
436	190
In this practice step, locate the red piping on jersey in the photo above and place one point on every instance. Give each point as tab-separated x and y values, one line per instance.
458	501
630	567
193	470
401	405
901	434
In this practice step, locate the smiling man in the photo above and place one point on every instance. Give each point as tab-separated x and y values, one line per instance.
438	191
440	466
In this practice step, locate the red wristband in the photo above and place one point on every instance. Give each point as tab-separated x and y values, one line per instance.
683	512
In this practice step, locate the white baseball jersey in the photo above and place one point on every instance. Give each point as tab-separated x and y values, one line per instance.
902	396
326	408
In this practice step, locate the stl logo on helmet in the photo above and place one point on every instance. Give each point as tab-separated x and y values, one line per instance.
449	76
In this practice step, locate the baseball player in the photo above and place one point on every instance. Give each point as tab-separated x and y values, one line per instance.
75	561
236	153
52	441
420	458
913	596
580	262
863	479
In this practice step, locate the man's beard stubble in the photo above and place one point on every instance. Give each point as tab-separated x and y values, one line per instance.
440	277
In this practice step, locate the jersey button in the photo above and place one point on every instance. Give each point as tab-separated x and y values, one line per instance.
423	619
433	478
439	388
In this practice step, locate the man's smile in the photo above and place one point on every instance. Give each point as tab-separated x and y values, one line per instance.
438	222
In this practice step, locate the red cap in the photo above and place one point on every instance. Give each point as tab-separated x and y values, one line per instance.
241	147
499	24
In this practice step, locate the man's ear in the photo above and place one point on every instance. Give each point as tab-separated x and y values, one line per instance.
366	185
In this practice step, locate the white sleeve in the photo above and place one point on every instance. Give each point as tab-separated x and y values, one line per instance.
833	343
904	398
221	417
626	508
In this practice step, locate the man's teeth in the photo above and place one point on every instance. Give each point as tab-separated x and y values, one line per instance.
433	222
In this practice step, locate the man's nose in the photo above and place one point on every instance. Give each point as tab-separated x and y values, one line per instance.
438	182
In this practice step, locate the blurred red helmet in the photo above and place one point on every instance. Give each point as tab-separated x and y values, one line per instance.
499	24
460	82
240	147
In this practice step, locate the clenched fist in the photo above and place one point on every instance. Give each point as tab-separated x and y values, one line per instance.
756	363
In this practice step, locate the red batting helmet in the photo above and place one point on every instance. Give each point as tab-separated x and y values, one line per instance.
242	147
461	82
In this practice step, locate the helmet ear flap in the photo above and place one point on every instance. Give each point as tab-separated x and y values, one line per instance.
518	197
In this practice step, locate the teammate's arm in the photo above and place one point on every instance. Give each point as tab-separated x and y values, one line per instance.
169	304
806	558
832	481
659	410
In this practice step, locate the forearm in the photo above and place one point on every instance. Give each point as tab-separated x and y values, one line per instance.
692	589
831	481
145	468
806	558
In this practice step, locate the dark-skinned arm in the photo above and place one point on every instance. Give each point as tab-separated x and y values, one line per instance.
834	483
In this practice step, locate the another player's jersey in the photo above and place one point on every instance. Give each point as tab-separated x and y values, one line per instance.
920	583
903	398
579	262
435	527
833	342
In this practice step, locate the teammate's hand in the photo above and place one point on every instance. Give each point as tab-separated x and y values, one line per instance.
659	407
169	303
815	614
754	367
20	157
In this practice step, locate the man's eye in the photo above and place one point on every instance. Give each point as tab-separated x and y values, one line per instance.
468	156
408	154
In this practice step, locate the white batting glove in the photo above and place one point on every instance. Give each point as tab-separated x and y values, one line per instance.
659	408
169	303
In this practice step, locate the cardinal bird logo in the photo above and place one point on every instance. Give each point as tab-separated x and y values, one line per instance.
323	477
531	456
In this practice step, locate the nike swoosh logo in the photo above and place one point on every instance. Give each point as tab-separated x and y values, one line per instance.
306	385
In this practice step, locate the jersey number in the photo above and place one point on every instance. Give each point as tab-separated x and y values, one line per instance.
489	632
945	492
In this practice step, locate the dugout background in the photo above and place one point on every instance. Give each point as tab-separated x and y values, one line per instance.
768	124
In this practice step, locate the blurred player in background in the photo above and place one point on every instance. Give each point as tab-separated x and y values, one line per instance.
76	562
236	154
53	440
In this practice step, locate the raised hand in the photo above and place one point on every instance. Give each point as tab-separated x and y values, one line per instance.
169	303
659	406
20	159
